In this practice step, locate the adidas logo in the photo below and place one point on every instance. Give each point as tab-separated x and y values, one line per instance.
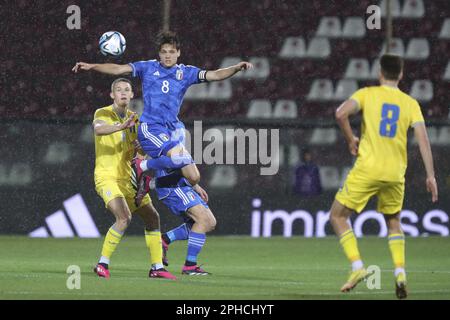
156	73
59	223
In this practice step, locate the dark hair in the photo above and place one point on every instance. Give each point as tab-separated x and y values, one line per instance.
169	37
391	66
120	80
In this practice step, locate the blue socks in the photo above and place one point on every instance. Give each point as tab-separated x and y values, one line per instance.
195	245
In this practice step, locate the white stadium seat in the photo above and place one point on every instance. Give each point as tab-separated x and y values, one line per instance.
354	27
345	88
285	109
395	8
293	47
397	47
323	136
261	68
418	49
444	136
413	9
422	90
259	108
198	92
357	69
447	72
329	177
58	152
294	155
321	90
445	30
318	48
223	177
329	27
220	90
374	71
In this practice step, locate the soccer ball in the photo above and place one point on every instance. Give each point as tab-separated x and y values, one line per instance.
112	43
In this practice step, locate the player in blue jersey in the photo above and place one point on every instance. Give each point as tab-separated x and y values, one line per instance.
164	83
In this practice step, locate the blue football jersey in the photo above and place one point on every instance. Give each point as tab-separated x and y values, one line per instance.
164	88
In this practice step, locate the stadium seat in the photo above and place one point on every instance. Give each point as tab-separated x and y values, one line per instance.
323	136
354	27
294	155
285	109
329	177
413	9
198	92
223	177
445	30
261	68
422	90
395	8
87	134
357	69
396	47
259	109
329	27
4	176
345	88
418	49
220	90
443	138
374	71
321	90
447	72
57	153
293	47
319	48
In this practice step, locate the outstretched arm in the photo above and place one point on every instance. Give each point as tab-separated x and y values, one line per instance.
421	135
342	114
225	73
108	68
101	128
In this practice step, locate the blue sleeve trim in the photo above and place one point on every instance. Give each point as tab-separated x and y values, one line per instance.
134	69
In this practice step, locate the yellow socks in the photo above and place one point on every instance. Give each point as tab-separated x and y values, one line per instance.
153	241
112	239
397	247
350	246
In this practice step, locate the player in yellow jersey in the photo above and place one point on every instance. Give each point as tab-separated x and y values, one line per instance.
380	167
115	146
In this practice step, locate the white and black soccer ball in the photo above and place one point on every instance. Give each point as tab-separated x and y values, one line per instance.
112	43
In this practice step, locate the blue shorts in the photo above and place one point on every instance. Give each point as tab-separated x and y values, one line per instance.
157	139
181	199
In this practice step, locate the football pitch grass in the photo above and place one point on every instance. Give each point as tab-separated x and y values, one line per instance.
241	267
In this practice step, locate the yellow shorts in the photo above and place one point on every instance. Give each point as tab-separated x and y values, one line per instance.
111	189
357	191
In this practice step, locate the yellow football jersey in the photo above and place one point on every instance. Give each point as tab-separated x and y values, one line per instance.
114	152
387	113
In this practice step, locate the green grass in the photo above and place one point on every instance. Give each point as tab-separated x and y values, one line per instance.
242	267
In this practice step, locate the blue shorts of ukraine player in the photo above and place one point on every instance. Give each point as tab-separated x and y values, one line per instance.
181	199
158	139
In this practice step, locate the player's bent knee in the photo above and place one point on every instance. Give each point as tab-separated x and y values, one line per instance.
123	222
212	223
